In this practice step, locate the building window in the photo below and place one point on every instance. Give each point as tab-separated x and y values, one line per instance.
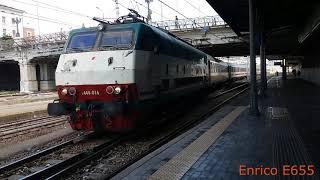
4	32
13	21
3	19
13	33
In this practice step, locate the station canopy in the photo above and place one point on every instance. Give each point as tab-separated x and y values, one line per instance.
291	26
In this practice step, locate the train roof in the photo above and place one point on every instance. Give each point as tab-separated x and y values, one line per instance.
175	39
83	29
138	26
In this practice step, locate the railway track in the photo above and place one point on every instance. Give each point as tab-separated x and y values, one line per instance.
79	160
24	168
12	129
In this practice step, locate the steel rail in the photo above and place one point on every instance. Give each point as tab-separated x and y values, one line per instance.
21	162
48	126
18	125
73	163
27	128
21	121
229	90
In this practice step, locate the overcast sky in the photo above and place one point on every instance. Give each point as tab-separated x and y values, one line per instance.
56	15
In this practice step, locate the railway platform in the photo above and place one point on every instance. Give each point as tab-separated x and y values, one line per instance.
281	143
24	106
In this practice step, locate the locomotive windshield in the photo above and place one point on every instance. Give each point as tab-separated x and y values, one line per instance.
82	41
118	39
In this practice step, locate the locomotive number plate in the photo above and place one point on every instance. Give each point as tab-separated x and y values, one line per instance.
93	92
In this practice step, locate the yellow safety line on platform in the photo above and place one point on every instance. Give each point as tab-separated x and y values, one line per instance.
183	161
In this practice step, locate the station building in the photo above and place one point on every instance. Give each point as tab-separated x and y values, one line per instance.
11	21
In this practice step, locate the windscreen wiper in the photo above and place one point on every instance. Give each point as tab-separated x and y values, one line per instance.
108	46
76	49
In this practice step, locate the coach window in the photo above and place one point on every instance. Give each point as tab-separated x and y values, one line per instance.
184	69
177	68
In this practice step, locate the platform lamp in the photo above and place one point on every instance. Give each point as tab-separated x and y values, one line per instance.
17	21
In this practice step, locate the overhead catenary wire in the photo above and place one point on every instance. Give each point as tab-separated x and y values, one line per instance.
43	18
51	8
134	6
179	13
125	7
151	9
55	8
66	10
173	9
49	20
195	7
165	5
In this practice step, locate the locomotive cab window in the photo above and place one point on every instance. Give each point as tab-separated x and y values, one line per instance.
82	41
117	39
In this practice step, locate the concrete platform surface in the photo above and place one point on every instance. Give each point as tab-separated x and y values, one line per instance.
25	98
23	110
26	106
233	144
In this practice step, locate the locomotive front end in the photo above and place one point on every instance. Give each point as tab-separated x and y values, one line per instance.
95	81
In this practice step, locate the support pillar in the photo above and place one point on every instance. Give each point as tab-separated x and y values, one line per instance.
253	83
47	81
284	70
263	65
28	79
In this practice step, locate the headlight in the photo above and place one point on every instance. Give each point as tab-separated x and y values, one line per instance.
117	90
72	91
109	90
64	91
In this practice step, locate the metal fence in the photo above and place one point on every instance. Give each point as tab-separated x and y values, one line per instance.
34	41
46	40
190	23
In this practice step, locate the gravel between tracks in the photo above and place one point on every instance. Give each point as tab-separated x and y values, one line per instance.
39	148
58	155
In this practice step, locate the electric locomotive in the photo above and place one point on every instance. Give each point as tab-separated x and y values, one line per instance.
109	76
